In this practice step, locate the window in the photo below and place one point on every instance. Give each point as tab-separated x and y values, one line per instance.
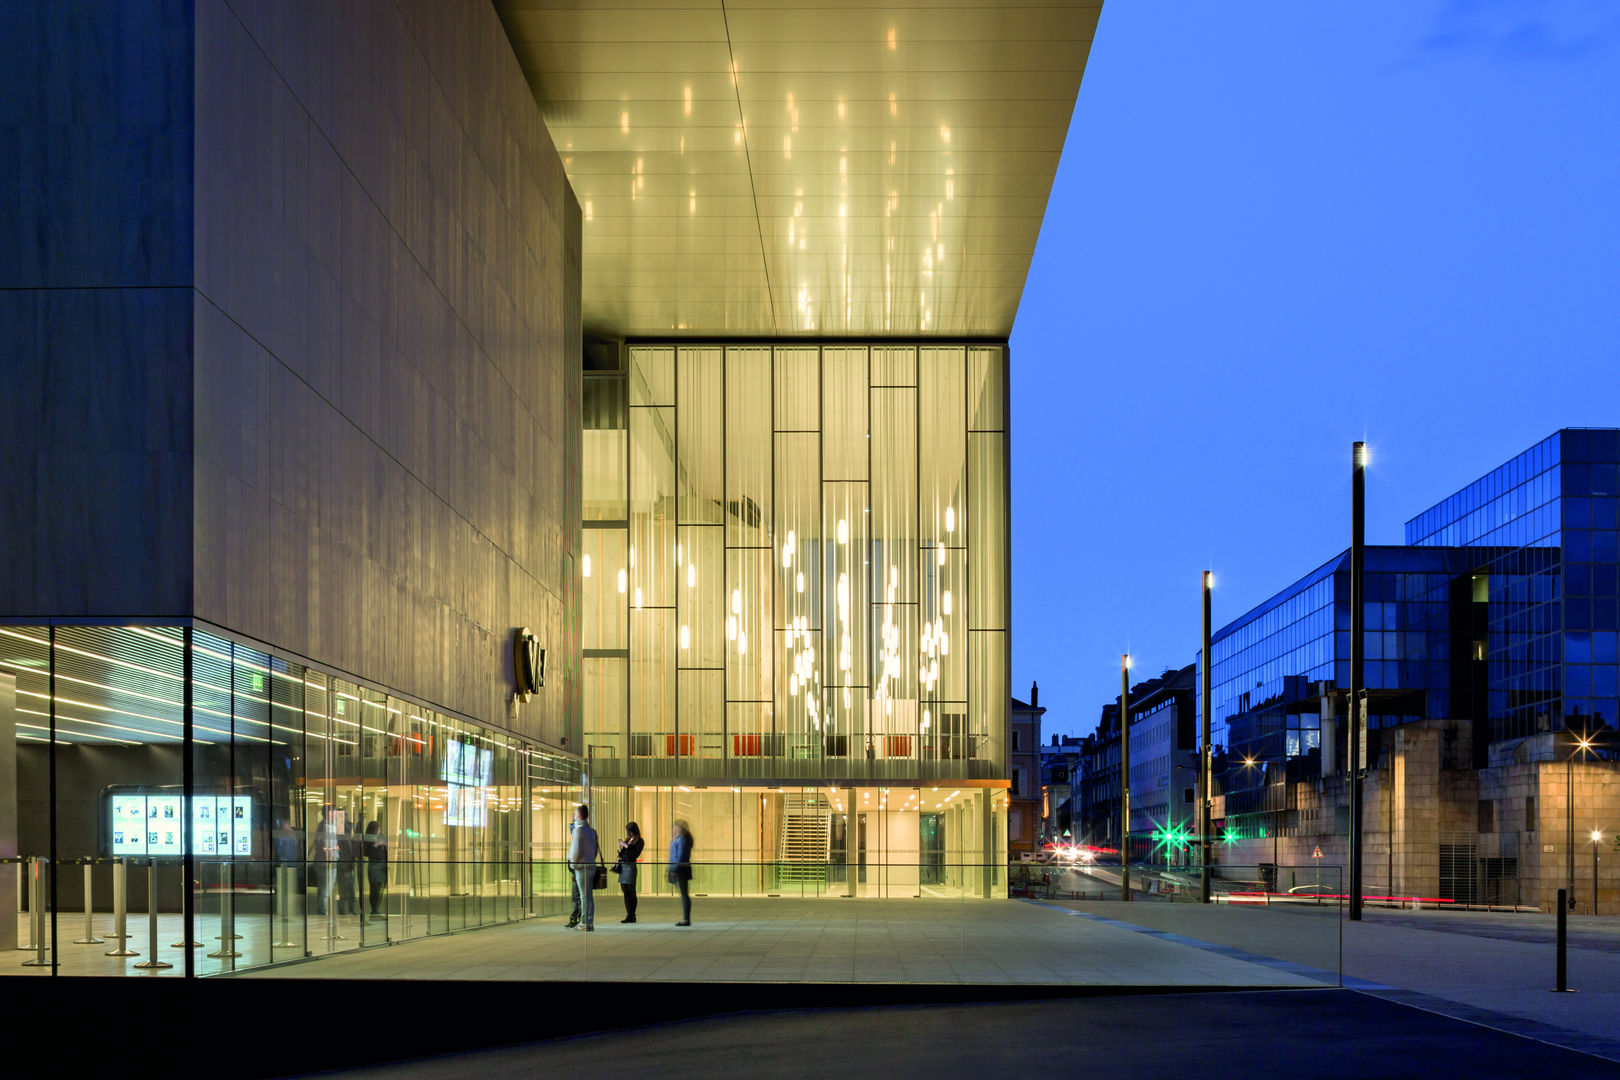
1017	740
1529	813
1187	795
1018	781
1487	816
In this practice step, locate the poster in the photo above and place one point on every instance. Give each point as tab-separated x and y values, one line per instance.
152	825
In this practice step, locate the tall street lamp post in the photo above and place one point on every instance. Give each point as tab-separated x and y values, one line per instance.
1204	774
1124	777
1358	530
1582	746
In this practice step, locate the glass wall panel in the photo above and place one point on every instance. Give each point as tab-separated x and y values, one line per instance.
653	741
895	715
703	721
844	523
987	532
747	447
749	623
894	495
798	388
986	388
700	465
943	670
605	584
941	445
701	597
798	530
845	448
605	467
652	504
607	699
652	375
894	365
988	701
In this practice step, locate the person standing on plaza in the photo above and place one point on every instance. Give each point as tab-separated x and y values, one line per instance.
629	851
582	852
680	868
573	882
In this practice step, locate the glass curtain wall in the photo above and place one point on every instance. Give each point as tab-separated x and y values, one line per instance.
309	814
796	610
798	563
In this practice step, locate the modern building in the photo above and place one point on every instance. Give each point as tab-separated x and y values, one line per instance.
1490	667
422	417
1163	768
1027	796
1061	766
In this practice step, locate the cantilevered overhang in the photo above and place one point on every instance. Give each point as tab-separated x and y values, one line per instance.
759	168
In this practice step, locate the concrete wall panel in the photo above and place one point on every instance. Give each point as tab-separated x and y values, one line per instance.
388	350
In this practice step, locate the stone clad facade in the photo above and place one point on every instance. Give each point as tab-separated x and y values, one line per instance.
309	370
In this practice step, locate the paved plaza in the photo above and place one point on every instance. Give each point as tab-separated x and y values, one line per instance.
826	941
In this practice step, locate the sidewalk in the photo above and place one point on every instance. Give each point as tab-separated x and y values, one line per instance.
1490	968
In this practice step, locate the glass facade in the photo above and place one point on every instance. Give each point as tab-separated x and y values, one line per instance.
797	577
202	786
1549	524
1504	610
1277	668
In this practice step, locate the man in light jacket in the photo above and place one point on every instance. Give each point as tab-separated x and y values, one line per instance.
582	861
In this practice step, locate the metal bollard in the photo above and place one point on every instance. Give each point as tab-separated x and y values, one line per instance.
227	914
36	913
284	888
89	910
22	872
120	930
152	963
185	944
1562	943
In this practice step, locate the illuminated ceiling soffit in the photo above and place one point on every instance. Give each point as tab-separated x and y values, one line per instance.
773	169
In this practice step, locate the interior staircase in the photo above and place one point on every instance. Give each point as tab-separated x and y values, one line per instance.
805	843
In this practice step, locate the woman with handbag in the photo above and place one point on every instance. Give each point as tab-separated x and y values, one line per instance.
629	851
680	868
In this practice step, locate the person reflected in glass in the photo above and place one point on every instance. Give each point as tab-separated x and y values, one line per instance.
376	868
629	851
323	853
582	852
348	860
679	873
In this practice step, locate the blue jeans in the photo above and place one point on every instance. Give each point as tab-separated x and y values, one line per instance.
587	895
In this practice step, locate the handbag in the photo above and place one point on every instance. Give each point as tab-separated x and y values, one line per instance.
599	874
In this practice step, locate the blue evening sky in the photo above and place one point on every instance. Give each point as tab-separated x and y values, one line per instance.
1278	228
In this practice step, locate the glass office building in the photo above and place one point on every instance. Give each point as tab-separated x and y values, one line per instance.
309	813
1501	611
1549	525
795	610
1282	668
